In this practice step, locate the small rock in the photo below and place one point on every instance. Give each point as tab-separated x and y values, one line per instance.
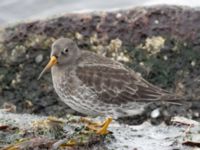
196	114
141	63
118	15
39	58
78	36
155	113
156	22
28	104
165	57
193	63
9	107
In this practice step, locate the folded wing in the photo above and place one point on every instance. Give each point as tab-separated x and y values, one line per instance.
116	84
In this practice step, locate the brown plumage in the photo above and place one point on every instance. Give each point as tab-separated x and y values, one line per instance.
96	85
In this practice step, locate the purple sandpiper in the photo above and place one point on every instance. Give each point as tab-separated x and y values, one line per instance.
96	85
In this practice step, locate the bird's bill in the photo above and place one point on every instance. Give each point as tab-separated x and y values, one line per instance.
52	61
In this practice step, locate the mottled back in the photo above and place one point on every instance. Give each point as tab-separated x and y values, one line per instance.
114	83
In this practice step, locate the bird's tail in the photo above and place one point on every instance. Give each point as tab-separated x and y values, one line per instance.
178	100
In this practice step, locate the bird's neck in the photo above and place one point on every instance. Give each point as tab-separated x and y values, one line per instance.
62	68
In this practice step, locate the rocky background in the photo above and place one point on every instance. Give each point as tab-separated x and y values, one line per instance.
162	43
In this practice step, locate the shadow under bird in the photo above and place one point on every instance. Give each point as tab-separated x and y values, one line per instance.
95	85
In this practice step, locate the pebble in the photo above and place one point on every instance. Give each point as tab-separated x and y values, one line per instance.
156	22
119	15
193	63
155	113
39	58
165	57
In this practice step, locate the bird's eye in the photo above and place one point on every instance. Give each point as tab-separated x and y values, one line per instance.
66	50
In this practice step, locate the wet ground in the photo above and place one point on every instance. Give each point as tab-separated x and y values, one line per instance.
123	137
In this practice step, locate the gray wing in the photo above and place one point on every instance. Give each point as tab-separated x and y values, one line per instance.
118	85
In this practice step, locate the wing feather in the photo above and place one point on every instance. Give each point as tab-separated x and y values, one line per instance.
117	84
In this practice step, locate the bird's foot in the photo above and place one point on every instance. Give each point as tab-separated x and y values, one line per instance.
99	128
103	130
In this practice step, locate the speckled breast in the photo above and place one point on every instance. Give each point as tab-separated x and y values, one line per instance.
76	95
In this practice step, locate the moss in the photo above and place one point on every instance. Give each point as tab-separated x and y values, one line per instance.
163	66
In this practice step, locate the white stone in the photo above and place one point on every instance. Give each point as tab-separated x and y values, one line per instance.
39	58
155	113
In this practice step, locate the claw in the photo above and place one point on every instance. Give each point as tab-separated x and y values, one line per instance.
99	128
103	130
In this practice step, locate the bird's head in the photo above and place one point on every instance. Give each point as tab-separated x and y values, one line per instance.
63	52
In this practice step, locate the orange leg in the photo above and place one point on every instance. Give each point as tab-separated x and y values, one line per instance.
103	130
100	128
